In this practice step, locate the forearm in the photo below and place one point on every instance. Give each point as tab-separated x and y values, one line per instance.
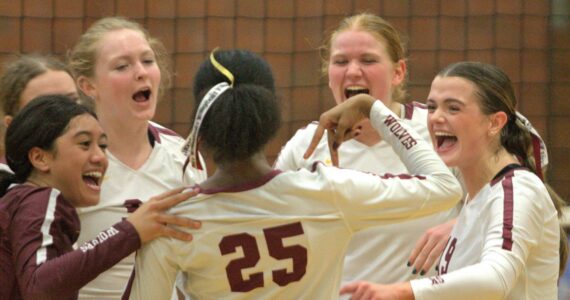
479	281
62	276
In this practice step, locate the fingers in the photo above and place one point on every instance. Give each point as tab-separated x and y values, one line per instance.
433	256
178	221
421	264
315	141
168	193
429	247
333	147
175	233
417	249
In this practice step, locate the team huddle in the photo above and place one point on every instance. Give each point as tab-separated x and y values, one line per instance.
382	198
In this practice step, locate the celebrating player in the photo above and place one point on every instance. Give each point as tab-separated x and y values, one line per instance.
506	243
365	55
271	234
123	70
56	149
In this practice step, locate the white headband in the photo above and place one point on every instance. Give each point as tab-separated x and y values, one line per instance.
540	152
190	148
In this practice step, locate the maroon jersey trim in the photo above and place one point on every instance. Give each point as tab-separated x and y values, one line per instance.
157	131
243	187
508	213
409	109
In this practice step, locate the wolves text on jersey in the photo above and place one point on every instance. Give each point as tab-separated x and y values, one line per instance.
401	133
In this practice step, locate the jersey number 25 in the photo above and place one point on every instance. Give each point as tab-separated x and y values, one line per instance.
274	239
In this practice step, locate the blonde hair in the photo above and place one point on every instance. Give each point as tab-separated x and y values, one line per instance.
82	57
381	30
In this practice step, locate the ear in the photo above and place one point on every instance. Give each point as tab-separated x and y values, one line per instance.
498	120
40	159
86	86
400	69
7	121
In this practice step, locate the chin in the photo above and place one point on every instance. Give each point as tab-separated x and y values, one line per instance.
448	158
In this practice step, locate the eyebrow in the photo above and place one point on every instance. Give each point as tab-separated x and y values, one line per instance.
127	56
85	132
448	100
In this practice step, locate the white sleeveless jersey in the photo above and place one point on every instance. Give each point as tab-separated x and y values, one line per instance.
377	254
284	237
505	245
122	191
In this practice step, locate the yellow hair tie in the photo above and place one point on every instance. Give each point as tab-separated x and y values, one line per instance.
221	68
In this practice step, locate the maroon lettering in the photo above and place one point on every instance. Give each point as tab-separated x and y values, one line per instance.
229	244
389	120
400	132
298	254
447	257
437	280
274	237
409	142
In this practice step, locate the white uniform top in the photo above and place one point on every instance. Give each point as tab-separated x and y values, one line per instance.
504	246
377	254
284	236
5	167
122	191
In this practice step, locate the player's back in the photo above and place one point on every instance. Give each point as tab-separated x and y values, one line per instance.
260	244
283	237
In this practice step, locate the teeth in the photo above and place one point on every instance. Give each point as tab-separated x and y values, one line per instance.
355	88
439	133
97	175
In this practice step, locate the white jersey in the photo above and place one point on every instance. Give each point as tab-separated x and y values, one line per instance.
122	191
284	237
5	167
378	254
504	246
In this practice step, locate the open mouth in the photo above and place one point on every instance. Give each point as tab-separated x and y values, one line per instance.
444	140
92	179
355	90
142	95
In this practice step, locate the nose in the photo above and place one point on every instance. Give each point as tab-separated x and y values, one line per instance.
435	116
140	71
353	69
98	156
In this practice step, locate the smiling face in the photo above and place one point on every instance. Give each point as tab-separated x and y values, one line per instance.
458	128
359	63
127	77
77	163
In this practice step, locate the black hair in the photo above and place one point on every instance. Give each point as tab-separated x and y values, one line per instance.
245	117
38	124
